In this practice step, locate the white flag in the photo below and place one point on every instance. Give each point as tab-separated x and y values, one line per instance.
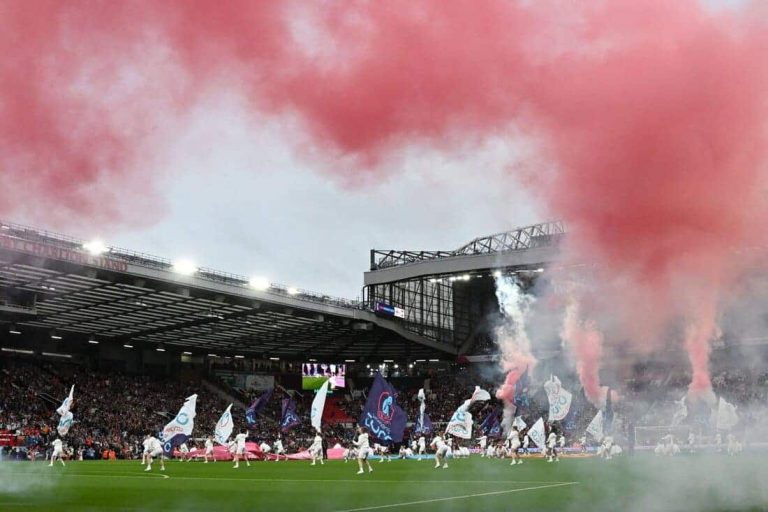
461	421
479	395
224	427
536	433
318	404
681	412
559	399
67	403
595	427
726	415
180	428
423	407
519	423
64	423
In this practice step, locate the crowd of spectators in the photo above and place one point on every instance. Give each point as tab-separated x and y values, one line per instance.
113	411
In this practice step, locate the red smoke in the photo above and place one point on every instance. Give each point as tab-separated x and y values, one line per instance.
586	345
649	116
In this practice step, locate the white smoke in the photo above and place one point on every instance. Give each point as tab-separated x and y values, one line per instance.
513	340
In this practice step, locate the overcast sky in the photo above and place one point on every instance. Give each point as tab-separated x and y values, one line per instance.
242	199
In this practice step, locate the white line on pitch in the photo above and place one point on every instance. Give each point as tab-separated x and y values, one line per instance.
362	480
104	475
465	496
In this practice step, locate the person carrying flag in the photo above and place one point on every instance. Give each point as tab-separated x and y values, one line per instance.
240	449
422	447
58	452
552	447
363	447
482	442
316	450
441	452
209	449
153	448
514	446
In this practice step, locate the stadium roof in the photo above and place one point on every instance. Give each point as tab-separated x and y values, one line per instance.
50	282
528	246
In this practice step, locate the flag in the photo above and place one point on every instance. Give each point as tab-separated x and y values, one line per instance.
422	408
521	390
67	403
595	427
224	427
519	423
479	395
318	404
681	412
180	428
559	399
290	419
425	427
536	433
256	407
64	423
726	415
461	421
608	415
383	418
491	425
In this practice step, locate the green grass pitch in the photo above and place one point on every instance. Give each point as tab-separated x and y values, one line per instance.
309	383
575	484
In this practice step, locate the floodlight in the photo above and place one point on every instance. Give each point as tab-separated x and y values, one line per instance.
184	267
95	247
259	283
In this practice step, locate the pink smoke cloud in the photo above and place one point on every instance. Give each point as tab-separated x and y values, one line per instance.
649	116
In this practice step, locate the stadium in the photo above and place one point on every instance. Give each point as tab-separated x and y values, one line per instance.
613	357
136	335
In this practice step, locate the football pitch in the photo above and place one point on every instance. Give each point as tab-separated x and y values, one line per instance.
716	483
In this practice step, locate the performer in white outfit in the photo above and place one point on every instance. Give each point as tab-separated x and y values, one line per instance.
441	452
209	450
514	446
240	452
363	447
316	450
58	452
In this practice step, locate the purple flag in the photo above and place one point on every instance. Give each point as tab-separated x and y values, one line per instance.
290	418
491	426
426	428
383	418
256	407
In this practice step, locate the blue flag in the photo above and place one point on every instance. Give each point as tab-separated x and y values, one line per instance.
256	407
521	391
425	428
383	418
290	418
608	413
491	425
